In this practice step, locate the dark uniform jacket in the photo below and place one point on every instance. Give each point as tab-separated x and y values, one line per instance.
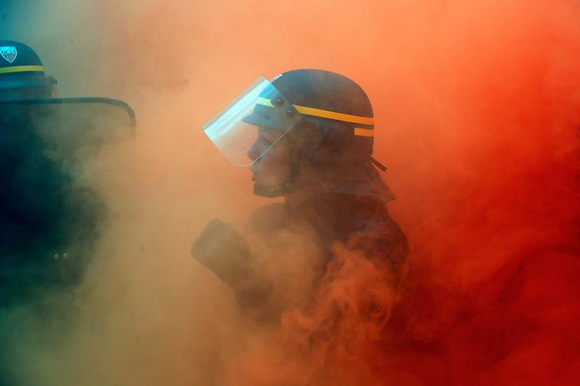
361	224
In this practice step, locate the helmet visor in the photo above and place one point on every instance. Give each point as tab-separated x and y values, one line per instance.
235	129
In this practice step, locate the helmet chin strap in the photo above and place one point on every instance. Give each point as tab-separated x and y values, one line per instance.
293	184
286	187
272	192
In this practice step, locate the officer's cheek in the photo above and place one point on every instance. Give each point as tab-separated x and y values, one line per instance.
253	152
274	167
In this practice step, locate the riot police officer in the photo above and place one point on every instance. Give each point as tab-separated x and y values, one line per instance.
48	221
308	137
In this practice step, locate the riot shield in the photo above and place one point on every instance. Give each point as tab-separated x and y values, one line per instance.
49	221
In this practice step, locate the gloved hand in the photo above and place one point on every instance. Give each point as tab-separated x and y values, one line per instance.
224	251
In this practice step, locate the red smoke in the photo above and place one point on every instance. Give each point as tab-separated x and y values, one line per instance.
495	225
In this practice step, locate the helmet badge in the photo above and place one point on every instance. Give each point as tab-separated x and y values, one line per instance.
9	53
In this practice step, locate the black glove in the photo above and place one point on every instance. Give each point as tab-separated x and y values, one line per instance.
224	251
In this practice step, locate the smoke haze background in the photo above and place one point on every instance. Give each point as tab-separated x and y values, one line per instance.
477	108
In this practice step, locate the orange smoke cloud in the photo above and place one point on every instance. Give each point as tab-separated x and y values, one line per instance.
477	107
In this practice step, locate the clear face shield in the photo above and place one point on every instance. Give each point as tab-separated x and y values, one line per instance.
235	129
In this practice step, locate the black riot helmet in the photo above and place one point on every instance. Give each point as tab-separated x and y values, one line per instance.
22	73
336	107
328	120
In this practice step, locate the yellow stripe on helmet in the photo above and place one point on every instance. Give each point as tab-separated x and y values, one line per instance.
336	116
324	113
265	102
360	132
14	69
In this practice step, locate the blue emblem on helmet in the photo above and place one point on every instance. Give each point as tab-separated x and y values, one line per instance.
9	53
